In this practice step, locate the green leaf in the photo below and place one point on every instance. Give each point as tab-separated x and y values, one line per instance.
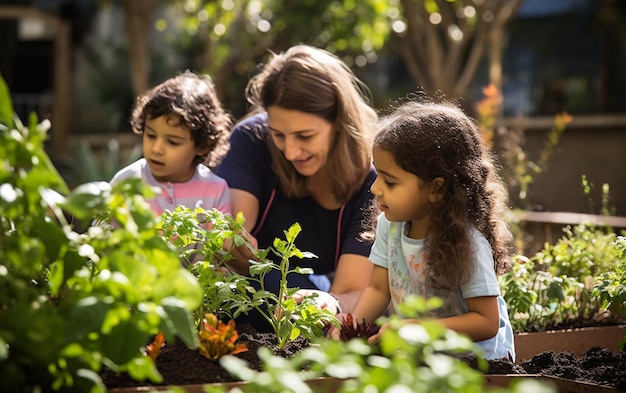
183	286
88	199
6	105
555	291
4	349
180	318
293	232
125	341
85	316
142	367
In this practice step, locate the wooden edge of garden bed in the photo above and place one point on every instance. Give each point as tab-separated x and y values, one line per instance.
328	385
560	384
325	385
577	341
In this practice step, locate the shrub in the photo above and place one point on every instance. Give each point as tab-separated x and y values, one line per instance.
71	302
555	286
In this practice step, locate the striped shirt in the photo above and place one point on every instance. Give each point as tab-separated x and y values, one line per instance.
205	189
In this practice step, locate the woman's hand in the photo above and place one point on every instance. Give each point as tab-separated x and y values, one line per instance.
243	254
324	300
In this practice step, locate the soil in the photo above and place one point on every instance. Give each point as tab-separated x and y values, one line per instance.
599	366
180	365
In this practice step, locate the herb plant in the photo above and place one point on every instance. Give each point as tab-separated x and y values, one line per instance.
610	286
207	237
288	318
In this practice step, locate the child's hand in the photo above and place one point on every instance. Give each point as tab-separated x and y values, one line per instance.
373	339
334	332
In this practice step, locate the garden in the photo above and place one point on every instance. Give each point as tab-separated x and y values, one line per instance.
112	308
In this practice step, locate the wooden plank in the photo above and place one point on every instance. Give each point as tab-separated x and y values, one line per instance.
578	341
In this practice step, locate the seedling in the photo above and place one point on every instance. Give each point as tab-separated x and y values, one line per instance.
207	238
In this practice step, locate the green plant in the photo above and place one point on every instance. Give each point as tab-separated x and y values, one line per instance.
610	287
289	318
207	237
554	287
605	208
72	302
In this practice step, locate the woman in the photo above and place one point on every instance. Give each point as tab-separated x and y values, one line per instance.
304	155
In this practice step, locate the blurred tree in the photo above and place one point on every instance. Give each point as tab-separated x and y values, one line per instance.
138	15
442	42
233	36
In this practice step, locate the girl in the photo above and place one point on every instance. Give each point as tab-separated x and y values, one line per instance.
442	231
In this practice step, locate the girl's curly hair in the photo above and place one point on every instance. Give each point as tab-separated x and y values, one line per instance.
437	139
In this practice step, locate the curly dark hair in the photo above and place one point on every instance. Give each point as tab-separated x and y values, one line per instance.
189	100
435	138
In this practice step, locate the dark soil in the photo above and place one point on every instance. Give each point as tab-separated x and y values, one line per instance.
599	366
180	365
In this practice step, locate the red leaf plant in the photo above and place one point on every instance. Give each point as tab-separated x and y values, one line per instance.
350	330
218	338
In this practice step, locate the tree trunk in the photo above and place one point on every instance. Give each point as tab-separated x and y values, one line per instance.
137	19
443	55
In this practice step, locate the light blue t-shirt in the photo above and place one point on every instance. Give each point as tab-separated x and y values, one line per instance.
405	261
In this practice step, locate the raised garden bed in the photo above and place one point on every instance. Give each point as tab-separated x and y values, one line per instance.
577	341
579	371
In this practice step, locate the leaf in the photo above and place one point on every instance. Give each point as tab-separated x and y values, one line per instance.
142	367
555	291
124	341
181	320
6	105
87	199
293	232
86	316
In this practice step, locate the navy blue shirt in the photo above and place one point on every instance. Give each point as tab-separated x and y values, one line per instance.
248	167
